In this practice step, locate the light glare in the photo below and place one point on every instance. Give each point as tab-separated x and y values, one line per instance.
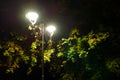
32	17
51	29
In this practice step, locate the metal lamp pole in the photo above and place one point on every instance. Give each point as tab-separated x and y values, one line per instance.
42	60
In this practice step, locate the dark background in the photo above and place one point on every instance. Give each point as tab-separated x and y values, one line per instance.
87	15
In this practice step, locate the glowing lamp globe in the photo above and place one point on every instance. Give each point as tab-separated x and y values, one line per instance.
51	29
32	17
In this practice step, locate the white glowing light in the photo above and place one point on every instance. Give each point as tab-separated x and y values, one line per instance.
32	17
51	29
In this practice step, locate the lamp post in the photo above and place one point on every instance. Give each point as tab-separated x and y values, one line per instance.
32	17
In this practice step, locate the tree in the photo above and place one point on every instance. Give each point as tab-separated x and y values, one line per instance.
76	57
75	50
21	53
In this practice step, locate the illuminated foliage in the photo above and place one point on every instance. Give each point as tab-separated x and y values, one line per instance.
114	65
75	50
47	54
74	58
76	45
13	54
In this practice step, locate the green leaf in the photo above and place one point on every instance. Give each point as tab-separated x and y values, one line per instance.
6	53
11	50
34	45
59	54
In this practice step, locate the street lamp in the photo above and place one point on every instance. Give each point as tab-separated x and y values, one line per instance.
51	29
32	17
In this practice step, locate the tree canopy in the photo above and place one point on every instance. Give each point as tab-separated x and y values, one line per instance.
75	57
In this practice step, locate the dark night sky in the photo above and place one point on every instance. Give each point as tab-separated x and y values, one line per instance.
12	15
86	14
13	11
